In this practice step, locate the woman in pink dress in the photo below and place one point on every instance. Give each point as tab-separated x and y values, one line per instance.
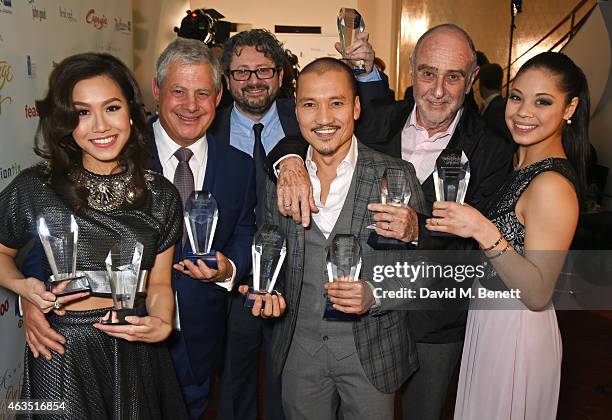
511	363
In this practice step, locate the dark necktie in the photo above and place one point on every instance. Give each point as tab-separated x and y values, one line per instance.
183	180
183	177
259	163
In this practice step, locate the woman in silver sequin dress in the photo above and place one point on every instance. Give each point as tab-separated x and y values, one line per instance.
511	363
94	147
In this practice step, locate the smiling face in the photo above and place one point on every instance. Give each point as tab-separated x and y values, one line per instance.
441	78
104	127
187	101
537	109
326	109
253	96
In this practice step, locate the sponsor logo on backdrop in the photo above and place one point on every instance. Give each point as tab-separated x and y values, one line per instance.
31	67
121	26
11	171
40	14
30	112
66	14
6	6
6	76
97	21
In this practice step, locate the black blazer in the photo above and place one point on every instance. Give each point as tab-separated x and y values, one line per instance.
495	119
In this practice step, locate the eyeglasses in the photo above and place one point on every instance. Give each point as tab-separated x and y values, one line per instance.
245	74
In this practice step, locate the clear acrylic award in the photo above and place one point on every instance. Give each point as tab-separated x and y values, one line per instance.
394	188
451	176
350	23
394	191
124	276
201	215
59	240
343	264
268	252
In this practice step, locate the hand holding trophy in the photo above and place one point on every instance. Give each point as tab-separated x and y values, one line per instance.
451	179
394	219
59	240
268	252
201	215
343	264
350	23
126	280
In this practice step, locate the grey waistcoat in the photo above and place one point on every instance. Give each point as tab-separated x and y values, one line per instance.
312	331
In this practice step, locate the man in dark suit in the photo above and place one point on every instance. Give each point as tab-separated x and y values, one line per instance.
494	108
252	63
330	366
417	130
188	89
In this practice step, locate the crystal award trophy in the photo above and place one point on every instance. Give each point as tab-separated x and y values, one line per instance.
268	252
201	215
451	178
343	264
394	188
394	191
59	239
124	278
350	23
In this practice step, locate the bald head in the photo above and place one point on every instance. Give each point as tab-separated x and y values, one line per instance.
443	70
326	64
447	31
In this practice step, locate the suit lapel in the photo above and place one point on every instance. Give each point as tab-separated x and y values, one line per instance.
365	177
286	114
212	161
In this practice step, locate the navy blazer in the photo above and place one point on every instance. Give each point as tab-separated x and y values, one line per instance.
203	305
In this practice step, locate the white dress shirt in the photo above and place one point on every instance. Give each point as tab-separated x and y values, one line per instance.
329	212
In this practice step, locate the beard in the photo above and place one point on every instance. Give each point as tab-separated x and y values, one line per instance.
255	106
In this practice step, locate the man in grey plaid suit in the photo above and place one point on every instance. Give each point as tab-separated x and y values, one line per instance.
332	366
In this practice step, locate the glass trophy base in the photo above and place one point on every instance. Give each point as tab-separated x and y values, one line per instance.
249	299
69	285
332	314
117	317
209	259
381	243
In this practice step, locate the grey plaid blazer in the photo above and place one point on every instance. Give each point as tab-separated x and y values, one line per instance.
383	338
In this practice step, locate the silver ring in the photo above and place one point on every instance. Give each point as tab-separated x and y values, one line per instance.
57	304
287	205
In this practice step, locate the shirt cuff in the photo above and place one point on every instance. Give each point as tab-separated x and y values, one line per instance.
229	282
276	165
376	300
373	76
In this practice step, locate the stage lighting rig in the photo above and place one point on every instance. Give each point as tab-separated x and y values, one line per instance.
204	25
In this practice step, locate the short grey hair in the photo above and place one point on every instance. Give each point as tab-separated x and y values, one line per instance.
188	51
451	27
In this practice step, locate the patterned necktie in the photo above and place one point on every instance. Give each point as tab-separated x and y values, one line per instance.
259	163
183	177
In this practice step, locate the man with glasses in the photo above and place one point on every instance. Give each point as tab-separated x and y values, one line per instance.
253	64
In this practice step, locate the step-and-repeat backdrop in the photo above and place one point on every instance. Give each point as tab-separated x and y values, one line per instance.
35	35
